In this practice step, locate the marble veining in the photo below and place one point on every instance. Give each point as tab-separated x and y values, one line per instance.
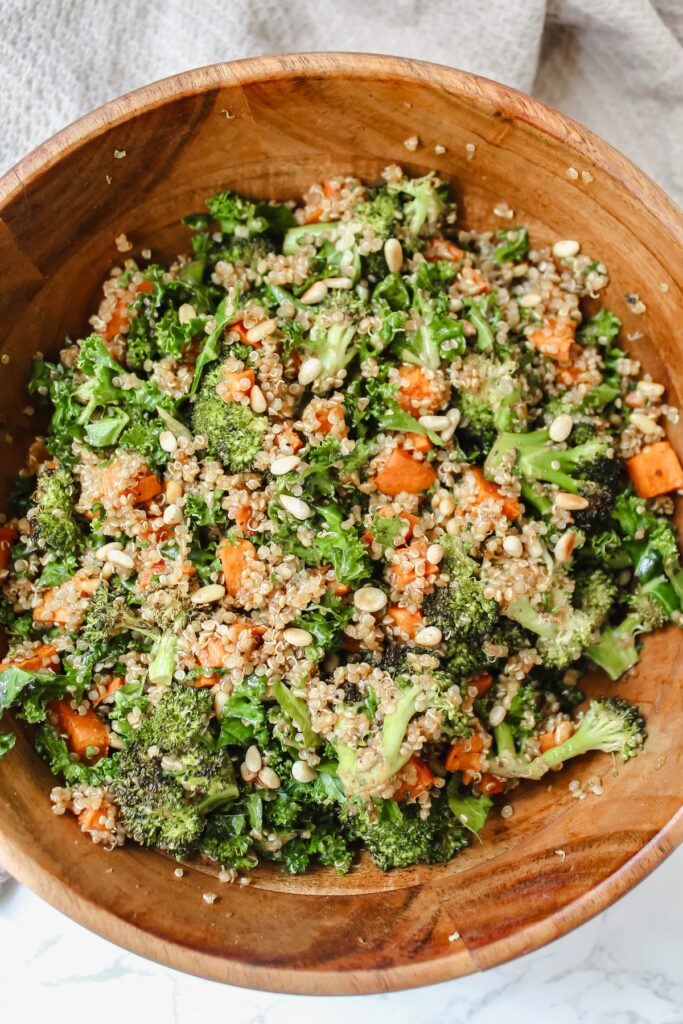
624	967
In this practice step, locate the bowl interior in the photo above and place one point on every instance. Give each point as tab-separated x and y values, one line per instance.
268	128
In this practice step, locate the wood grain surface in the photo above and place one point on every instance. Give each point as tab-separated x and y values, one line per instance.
268	127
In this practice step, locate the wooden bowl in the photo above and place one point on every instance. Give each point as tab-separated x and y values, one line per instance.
268	127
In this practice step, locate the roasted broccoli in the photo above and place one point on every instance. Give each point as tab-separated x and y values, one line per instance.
398	837
171	775
610	724
589	470
234	434
496	405
53	521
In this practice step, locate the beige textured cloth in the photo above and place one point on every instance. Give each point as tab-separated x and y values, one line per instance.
614	65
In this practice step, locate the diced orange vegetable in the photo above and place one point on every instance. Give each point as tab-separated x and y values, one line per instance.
120	314
243	518
314	215
403	571
89	819
338	589
416	390
41	657
486	489
234	559
7	538
60	614
655	470
290	438
419	442
555	338
236	384
330	190
441	249
114	684
146	487
56	616
465	755
482	684
401	472
562	731
424	778
202	682
82	731
568	375
490	784
407	622
145	575
325	423
472	281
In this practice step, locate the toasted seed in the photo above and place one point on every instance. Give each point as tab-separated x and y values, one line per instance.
512	546
535	549
370	599
246	774
120	558
429	636
566	248
302	772
447	505
174	490
253	759
453	527
106	549
257	400
268	778
295	506
261	330
393	254
651	388
564	547
309	370
570	502
561	427
435	422
285	464
220	699
645	424
530	299
316	293
186	312
167	441
447	434
434	554
208	594
173	514
343	283
496	715
297	637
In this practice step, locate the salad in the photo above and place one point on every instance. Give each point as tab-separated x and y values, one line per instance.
330	517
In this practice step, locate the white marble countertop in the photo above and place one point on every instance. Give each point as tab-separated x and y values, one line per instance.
624	967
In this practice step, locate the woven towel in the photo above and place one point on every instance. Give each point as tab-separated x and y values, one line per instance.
615	65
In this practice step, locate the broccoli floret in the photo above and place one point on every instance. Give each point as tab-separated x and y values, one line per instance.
240	216
595	593
234	434
427	202
649	541
52	516
171	775
333	345
610	724
562	633
589	470
513	245
496	405
437	337
467	619
397	837
599	329
649	606
379	210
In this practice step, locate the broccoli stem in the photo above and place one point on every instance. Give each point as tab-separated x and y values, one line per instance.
295	237
162	666
616	651
485	337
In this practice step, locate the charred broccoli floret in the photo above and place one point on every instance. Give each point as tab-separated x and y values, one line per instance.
398	837
52	517
171	775
234	434
588	469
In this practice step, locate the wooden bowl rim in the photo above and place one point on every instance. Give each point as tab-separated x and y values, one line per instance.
544	120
